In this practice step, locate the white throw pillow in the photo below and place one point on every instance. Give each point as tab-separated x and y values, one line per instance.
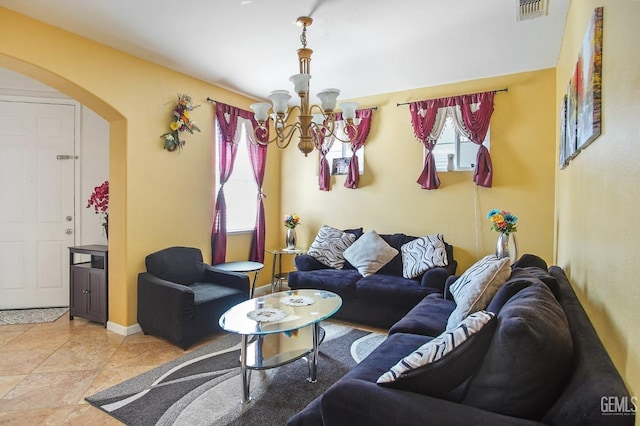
370	253
474	289
422	254
329	245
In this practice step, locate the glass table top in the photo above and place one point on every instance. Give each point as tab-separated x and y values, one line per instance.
280	312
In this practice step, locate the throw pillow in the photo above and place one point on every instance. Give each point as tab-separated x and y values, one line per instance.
369	253
476	287
446	361
422	254
329	245
528	360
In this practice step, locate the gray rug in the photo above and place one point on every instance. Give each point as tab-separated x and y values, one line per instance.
203	387
31	316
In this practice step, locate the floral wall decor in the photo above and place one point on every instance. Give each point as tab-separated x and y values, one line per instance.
181	121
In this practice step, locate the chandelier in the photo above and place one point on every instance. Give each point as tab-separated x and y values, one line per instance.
314	121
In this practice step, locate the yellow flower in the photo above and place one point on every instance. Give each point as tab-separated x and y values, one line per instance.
187	114
174	125
497	218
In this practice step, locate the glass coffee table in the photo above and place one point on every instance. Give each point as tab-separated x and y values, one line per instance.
280	328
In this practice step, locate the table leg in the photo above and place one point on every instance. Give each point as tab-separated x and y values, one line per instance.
280	272
313	359
273	273
253	285
244	371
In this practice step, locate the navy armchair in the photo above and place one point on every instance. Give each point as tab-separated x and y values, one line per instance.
181	299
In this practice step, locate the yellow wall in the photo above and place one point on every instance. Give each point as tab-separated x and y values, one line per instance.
597	194
157	198
389	199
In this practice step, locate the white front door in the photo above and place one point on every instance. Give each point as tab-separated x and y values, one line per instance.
36	203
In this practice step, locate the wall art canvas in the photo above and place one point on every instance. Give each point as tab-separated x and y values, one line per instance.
589	82
572	118
562	159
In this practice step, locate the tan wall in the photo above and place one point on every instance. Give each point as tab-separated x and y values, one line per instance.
598	193
390	200
157	198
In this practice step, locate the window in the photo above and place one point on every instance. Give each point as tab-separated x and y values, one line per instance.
343	150
240	191
461	149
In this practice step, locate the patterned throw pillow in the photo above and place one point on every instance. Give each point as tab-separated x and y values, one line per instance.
476	287
329	246
444	362
422	254
370	253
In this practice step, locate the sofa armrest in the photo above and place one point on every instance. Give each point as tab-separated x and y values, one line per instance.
435	278
236	280
450	280
163	305
354	401
306	262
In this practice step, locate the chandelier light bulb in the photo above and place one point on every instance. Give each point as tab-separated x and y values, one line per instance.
329	98
300	83
280	99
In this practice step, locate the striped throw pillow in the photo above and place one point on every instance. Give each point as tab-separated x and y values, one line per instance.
329	245
422	254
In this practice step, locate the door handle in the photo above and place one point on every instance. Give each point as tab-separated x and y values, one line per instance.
69	231
69	218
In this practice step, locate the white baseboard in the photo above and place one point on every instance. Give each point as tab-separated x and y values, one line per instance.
122	330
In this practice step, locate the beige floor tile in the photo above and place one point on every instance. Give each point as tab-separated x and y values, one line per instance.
44	417
8	382
38	338
7	336
48	390
77	358
150	353
21	361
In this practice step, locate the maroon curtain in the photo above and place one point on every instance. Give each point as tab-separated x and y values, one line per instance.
324	174
226	157
363	128
423	118
477	124
258	157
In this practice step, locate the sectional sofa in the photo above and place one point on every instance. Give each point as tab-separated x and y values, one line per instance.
535	359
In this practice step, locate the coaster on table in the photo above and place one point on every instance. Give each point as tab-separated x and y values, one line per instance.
297	300
267	315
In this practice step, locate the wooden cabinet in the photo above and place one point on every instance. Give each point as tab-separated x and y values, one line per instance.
89	283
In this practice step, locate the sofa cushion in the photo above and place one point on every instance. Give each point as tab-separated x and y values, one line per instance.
329	246
518	280
182	265
475	288
529	359
369	253
339	281
391	290
428	317
443	363
422	254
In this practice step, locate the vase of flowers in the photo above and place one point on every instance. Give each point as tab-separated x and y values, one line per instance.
99	200
505	223
290	222
181	121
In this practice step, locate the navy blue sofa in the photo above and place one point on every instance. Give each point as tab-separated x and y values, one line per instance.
379	300
569	382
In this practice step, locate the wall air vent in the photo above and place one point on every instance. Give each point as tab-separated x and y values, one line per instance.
529	9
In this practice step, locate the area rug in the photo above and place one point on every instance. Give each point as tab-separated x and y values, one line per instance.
204	387
31	316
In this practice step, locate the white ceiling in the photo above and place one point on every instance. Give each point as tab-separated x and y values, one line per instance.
363	47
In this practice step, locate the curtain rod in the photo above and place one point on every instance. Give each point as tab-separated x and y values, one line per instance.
213	101
506	89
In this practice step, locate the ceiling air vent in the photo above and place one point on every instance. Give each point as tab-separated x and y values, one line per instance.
529	9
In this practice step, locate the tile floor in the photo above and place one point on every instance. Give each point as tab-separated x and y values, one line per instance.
46	370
